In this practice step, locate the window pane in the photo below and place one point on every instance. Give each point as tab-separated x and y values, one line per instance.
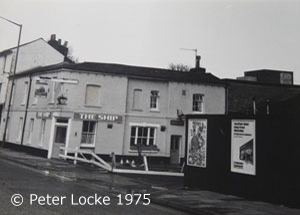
132	139
152	132
85	126
133	130
92	127
140	132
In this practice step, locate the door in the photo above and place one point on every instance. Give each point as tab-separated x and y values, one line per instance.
60	136
174	149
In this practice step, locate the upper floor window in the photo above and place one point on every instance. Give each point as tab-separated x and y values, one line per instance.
137	99
154	99
92	96
198	102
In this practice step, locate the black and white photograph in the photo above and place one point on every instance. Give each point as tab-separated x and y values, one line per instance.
149	107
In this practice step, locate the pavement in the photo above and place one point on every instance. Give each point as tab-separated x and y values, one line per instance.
165	191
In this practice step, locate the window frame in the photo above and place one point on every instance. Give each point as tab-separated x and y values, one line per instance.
136	102
148	146
195	104
88	145
154	98
99	95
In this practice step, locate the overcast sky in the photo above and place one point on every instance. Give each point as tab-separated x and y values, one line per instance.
231	36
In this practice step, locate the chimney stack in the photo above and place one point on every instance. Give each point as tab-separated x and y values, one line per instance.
53	37
197	68
57	44
198	57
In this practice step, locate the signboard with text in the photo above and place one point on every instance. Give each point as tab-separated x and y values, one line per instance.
98	117
243	146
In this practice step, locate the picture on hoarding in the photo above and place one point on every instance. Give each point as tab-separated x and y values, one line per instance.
196	152
243	146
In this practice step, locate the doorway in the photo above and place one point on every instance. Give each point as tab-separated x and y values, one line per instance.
60	137
175	149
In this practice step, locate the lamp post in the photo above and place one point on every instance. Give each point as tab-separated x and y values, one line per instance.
13	77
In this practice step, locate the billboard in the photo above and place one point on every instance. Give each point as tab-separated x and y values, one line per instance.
243	146
197	144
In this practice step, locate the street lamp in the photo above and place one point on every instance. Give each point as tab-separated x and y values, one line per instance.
13	78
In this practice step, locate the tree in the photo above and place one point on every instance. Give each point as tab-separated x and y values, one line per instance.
179	67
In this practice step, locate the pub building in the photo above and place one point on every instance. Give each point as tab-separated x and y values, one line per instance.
109	108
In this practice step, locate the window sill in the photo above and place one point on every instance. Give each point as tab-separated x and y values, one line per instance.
197	112
154	111
134	109
87	146
144	148
92	106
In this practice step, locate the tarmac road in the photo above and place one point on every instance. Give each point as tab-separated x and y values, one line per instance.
41	190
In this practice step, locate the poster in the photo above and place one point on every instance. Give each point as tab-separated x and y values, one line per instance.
196	151
243	146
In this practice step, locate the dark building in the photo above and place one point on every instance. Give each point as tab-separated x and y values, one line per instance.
260	92
268	76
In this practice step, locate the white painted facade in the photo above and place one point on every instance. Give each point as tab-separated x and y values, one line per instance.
122	117
31	55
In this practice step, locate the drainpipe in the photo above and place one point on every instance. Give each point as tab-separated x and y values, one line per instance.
26	108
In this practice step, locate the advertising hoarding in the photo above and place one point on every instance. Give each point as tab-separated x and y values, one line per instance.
197	144
243	146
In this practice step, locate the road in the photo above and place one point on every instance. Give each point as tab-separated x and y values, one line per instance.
47	192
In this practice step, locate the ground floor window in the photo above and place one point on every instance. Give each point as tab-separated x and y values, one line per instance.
88	133
144	137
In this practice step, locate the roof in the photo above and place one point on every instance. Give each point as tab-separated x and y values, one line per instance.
9	50
242	93
131	71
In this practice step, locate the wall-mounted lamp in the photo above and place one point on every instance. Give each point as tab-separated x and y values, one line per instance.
62	100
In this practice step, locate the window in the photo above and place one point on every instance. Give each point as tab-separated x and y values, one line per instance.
92	96
30	130
154	99
198	102
20	129
88	133
137	99
142	136
42	131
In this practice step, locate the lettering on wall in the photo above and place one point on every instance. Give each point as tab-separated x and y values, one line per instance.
98	117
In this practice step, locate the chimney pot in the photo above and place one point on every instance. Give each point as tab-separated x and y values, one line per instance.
59	41
66	44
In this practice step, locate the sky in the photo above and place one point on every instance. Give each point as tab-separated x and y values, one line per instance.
231	36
